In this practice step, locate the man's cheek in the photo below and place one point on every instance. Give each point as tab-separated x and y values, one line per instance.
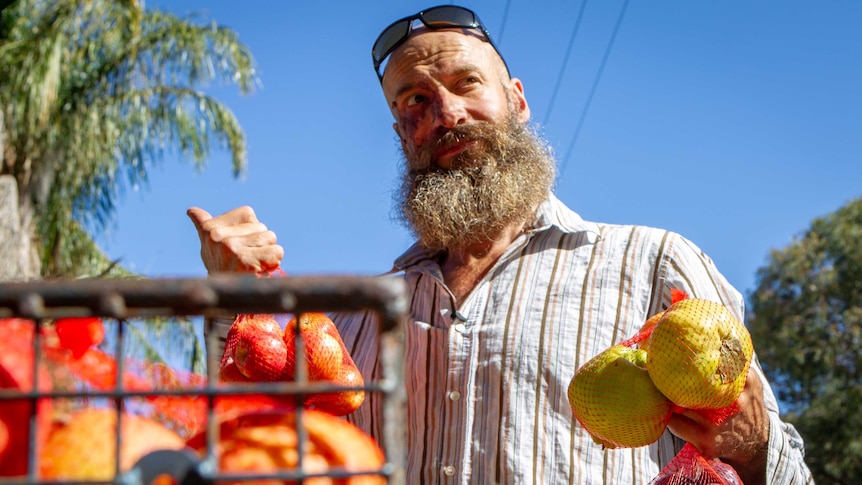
411	146
410	128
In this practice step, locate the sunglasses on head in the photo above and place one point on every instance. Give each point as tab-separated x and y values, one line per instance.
434	18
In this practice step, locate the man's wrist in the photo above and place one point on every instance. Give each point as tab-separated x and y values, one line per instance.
750	458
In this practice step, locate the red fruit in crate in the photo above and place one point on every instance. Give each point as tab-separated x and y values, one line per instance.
344	402
267	441
323	353
247	325
16	373
4	436
254	344
84	447
229	372
260	357
325	356
313	322
79	334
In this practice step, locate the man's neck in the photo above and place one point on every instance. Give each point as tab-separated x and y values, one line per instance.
463	267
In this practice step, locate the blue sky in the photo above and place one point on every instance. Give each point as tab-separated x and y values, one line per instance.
732	122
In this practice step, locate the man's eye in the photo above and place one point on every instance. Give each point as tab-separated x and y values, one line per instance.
469	81
415	99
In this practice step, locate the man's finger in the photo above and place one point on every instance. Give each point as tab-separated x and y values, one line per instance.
240	215
685	427
198	216
269	257
260	238
692	431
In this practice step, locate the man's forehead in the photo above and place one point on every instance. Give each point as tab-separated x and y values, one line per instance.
424	45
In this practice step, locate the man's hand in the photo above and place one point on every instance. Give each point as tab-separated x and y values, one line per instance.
236	242
740	441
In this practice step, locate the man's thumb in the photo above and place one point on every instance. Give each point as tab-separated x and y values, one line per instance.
198	216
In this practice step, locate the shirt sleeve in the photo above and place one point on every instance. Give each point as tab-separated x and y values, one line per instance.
688	268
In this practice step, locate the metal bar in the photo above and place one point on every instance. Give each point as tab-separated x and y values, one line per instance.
214	296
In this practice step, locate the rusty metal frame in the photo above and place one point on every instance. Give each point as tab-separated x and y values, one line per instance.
225	296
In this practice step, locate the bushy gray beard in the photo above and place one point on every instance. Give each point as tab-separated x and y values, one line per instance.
498	181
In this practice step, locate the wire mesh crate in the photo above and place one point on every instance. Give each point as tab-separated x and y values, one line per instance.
221	296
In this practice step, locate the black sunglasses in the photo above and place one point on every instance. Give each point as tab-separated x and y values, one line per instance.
434	18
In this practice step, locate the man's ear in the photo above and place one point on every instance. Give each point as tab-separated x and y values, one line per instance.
398	132
520	100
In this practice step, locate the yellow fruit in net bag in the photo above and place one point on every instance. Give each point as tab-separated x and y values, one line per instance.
698	354
614	399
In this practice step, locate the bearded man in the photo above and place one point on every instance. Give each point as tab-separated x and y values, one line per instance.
510	290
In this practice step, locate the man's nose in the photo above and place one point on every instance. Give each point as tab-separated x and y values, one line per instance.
449	110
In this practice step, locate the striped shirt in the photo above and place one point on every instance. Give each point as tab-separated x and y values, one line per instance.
487	379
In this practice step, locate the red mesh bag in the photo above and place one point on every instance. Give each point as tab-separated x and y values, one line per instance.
693	356
689	467
601	395
259	348
698	354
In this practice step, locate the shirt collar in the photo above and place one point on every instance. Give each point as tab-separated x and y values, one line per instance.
552	213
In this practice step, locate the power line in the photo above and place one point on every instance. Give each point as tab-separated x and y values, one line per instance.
593	88
565	63
503	24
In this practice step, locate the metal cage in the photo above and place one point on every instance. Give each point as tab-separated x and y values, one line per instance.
220	296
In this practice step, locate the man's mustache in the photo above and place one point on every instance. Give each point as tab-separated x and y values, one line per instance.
445	139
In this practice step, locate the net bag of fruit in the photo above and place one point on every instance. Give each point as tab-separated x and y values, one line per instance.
161	408
260	349
693	356
689	467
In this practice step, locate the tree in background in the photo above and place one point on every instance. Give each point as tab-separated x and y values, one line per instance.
806	322
94	93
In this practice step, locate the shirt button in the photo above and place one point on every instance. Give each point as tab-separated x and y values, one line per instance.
454	395
460	327
449	470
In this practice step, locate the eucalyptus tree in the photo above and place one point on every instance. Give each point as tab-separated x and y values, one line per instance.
94	93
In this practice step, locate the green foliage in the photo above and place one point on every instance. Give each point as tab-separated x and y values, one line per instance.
94	93
175	341
806	322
